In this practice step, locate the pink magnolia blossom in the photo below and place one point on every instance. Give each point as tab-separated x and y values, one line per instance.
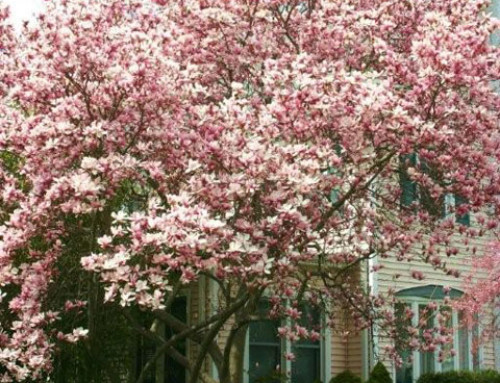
145	145
482	289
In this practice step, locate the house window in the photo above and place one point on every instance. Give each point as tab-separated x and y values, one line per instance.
413	193
264	349
166	370
266	362
427	360
307	364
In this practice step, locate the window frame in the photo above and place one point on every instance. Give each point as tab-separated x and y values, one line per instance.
286	346
449	204
414	303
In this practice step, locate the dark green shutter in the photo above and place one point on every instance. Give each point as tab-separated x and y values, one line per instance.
436	208
464	219
175	372
408	186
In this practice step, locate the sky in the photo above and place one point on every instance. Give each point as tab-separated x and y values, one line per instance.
23	9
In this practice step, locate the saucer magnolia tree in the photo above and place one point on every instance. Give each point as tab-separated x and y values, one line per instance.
260	144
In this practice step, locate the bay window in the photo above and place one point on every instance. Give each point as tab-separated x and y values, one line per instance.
432	358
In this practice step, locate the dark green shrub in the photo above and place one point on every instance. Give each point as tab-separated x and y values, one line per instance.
273	377
447	377
380	374
487	376
346	377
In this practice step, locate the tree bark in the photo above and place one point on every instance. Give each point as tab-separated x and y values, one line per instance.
237	355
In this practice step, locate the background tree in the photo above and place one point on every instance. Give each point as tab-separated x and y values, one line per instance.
482	293
256	143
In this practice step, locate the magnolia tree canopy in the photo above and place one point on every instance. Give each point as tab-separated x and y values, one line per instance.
260	144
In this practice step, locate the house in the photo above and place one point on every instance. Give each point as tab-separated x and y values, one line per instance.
339	349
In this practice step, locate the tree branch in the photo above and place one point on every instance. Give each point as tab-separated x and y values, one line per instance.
213	333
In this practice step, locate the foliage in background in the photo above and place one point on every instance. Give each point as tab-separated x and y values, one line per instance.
380	374
487	376
346	377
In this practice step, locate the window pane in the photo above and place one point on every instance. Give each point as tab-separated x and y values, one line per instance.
264	331
311	320
427	358
306	367
476	363
404	373
264	348
426	362
463	345
447	322
264	364
310	317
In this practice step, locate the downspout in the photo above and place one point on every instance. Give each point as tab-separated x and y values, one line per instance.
495	40
370	337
